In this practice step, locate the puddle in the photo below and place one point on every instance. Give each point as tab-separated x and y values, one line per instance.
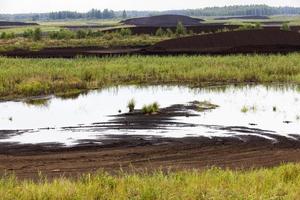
242	110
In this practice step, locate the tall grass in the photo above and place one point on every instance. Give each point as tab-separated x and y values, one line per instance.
67	38
277	183
25	77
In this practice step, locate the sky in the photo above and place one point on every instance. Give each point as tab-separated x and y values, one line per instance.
40	6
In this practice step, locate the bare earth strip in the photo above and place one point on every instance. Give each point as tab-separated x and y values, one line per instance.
136	153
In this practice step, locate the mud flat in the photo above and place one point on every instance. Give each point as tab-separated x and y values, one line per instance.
138	153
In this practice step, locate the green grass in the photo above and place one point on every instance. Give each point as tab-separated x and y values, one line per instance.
151	108
131	105
27	77
49	26
266	184
21	29
108	40
294	20
80	22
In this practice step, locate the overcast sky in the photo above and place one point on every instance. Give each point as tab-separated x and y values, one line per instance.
39	6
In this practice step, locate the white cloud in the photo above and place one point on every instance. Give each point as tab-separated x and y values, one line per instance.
27	6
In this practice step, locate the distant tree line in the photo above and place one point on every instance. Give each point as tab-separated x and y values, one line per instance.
250	10
109	14
92	14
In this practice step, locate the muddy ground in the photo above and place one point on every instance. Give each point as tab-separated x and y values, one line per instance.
138	153
72	52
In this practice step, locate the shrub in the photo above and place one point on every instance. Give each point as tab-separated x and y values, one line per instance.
160	32
150	109
169	32
10	35
125	32
244	109
131	105
180	29
3	35
257	25
155	106
62	34
90	33
285	27
246	27
80	34
37	34
108	36
97	34
191	32
28	33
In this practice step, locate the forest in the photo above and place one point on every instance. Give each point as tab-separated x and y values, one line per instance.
249	10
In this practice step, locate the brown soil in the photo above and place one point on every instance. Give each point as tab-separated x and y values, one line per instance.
244	17
163	20
8	23
140	153
249	41
71	52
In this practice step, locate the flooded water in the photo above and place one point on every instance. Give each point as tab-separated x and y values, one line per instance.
243	110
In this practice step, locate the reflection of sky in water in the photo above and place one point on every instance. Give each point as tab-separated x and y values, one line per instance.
96	105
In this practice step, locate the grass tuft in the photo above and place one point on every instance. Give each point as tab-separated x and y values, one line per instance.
151	108
131	105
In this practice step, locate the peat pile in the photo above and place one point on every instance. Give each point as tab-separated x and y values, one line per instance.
243	17
163	21
72	52
8	23
249	41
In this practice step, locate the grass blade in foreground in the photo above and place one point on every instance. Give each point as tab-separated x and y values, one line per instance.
276	183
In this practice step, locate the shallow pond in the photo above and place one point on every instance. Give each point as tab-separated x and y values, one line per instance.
243	110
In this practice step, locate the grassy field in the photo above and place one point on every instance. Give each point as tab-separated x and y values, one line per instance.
263	184
49	26
105	41
27	77
293	20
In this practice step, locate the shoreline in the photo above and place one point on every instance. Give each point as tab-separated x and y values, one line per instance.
134	153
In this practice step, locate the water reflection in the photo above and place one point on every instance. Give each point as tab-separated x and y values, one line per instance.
265	108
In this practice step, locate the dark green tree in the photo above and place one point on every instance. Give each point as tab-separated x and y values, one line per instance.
124	15
37	34
180	29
